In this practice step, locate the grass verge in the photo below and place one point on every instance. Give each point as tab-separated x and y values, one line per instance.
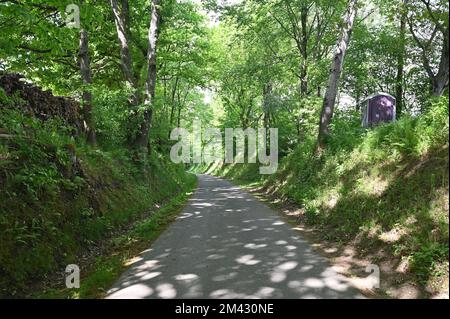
107	268
381	193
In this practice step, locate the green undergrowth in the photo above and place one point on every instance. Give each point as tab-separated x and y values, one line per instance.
386	188
107	268
60	197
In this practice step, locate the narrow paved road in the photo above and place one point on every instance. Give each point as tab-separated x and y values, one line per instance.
227	244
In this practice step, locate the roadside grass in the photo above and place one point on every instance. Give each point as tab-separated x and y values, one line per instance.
107	268
386	190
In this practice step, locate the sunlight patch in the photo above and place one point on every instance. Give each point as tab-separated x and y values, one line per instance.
248	260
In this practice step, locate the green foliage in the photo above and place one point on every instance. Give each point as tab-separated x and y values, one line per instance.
59	195
111	116
425	261
265	64
127	245
411	136
4	98
40	152
369	183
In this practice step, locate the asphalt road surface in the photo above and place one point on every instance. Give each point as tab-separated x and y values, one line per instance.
227	244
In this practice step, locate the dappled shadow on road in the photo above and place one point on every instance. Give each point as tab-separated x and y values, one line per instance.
393	214
226	244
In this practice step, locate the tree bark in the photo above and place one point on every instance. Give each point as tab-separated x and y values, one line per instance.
173	105
304	52
440	80
267	91
401	60
86	74
179	115
335	74
150	85
122	27
174	91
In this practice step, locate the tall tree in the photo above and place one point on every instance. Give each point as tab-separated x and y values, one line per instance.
150	84
401	59
436	14
86	74
121	19
335	74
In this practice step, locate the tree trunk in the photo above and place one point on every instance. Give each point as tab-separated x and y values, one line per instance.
358	100
121	21
86	74
304	52
401	60
150	85
440	81
303	48
173	105
179	113
126	18
335	74
174	91
267	91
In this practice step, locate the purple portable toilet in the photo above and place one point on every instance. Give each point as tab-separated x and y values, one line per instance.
378	108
